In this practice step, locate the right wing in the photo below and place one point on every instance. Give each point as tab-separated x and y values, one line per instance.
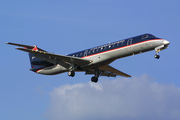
108	71
113	70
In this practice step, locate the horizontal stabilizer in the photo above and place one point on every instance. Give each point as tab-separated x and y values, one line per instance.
26	46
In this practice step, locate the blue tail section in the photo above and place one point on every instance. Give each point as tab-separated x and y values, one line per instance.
37	63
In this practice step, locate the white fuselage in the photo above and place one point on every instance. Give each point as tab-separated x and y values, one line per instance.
106	57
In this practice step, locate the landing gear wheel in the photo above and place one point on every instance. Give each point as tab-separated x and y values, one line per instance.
71	73
157	56
94	79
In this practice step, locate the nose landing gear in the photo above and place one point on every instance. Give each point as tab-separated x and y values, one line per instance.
158	49
157	56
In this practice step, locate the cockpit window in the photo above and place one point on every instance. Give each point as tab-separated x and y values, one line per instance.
148	36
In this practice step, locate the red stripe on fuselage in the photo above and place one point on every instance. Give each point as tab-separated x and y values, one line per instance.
107	51
120	48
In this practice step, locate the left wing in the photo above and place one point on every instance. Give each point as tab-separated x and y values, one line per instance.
69	59
45	55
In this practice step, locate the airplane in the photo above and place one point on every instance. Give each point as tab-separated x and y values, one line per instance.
93	61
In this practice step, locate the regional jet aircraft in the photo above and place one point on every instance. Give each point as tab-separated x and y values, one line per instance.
93	61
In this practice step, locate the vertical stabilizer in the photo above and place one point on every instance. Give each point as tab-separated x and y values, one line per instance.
37	63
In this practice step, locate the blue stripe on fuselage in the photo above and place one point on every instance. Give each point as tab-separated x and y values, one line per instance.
113	45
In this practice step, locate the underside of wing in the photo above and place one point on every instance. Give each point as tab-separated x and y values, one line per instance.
69	59
102	73
112	70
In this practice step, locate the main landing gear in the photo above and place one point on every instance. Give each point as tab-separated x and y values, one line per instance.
71	72
94	79
96	76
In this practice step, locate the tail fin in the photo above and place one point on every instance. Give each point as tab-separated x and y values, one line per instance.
36	63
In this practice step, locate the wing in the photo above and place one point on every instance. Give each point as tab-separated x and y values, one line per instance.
69	59
42	54
109	71
102	73
113	70
25	46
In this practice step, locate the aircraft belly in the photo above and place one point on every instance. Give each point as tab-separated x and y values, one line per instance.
52	70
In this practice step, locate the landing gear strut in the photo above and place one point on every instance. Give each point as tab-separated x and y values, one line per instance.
161	47
158	49
71	70
95	78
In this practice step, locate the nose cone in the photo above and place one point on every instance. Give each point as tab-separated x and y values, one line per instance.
166	42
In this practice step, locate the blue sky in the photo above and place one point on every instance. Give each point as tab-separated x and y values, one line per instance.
67	26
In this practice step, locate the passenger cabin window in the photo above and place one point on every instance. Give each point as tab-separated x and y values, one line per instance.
105	46
94	50
101	47
113	44
118	43
81	54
